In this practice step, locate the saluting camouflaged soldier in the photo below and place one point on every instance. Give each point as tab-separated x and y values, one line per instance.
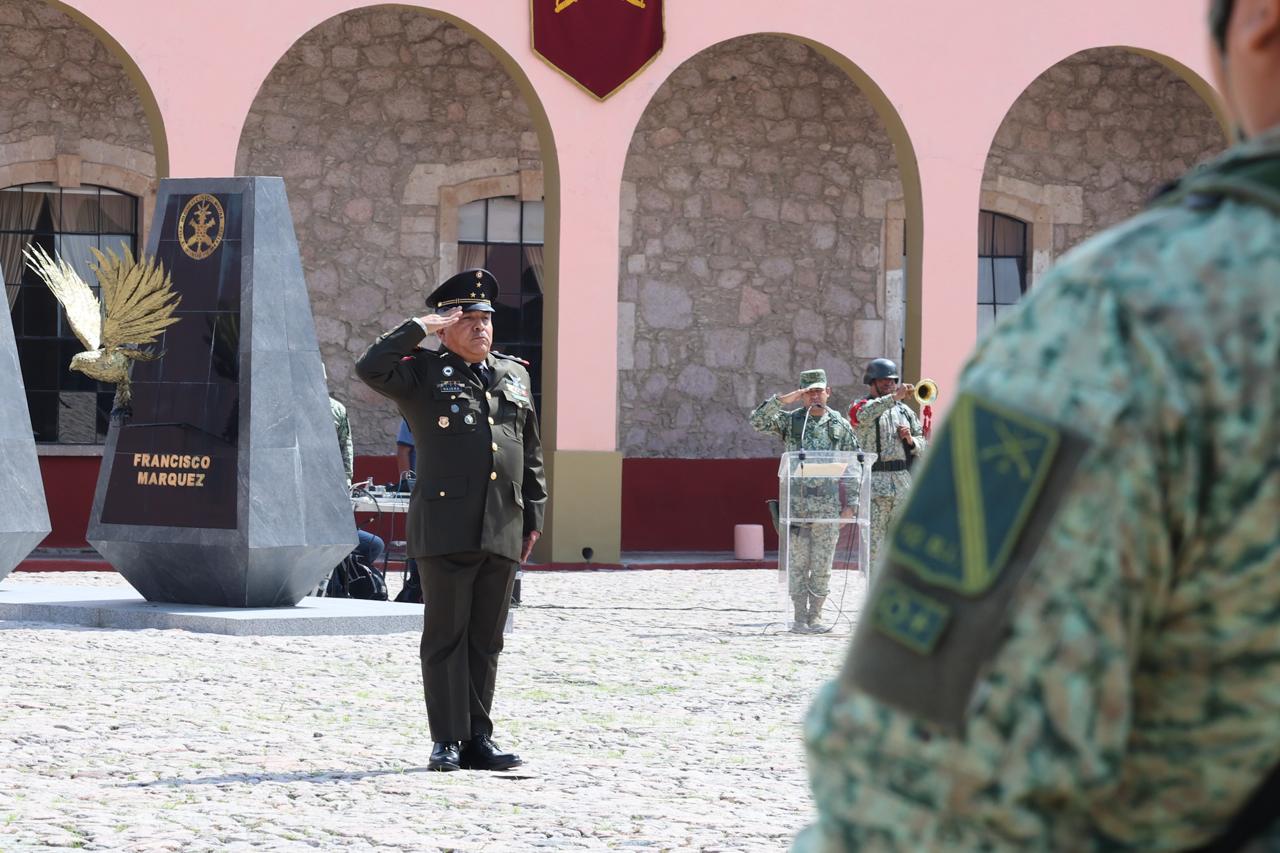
477	505
888	427
1082	650
810	548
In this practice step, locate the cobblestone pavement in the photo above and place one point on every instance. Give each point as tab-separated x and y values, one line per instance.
656	710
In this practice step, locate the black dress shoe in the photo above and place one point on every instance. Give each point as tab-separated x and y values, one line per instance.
445	756
481	753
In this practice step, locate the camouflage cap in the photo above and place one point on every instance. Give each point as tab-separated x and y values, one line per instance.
810	379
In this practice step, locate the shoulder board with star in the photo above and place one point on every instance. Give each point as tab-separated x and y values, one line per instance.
517	359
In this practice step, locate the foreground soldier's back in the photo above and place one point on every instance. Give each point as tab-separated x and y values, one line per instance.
1083	650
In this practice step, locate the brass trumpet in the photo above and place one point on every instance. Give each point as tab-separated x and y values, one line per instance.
926	392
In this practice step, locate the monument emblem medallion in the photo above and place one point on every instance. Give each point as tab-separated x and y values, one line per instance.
201	215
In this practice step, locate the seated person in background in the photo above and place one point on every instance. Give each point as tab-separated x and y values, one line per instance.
370	547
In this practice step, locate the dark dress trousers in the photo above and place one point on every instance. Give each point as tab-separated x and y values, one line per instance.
480	488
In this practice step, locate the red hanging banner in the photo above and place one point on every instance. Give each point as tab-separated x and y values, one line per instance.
598	44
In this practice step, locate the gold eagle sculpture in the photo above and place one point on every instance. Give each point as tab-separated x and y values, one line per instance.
137	305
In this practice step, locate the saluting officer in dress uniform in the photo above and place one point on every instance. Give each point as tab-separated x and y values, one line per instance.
1074	643
477	507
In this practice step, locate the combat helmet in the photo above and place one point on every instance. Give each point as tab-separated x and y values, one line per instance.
880	368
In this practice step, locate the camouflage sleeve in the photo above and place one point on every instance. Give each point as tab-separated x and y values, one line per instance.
864	415
1047	720
769	417
344	442
846	438
917	432
865	412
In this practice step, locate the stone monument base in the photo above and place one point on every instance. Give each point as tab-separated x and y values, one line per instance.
117	607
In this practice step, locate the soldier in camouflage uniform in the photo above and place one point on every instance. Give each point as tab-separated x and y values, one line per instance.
1082	651
810	548
888	427
343	425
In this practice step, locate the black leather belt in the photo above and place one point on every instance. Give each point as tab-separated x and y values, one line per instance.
892	465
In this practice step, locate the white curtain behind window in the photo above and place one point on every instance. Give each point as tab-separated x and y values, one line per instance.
18	212
470	257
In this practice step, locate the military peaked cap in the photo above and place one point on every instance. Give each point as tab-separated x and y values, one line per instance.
470	290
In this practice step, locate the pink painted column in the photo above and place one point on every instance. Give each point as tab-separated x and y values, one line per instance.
949	309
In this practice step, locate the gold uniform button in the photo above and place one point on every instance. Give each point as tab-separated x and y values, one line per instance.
492	421
493	475
495	445
442	494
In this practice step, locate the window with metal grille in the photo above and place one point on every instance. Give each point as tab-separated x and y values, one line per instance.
1002	266
505	235
66	407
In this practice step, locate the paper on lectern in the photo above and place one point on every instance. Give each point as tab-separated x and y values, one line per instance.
820	469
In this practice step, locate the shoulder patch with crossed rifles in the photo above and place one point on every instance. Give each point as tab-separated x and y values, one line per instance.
990	486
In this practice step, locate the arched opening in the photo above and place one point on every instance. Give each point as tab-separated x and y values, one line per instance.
141	87
387	123
1085	146
765	205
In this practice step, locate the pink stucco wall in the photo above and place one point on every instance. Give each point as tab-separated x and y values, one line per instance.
950	69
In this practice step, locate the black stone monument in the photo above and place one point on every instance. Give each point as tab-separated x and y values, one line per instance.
24	516
225	485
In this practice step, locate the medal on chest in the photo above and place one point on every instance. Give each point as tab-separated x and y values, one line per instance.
516	389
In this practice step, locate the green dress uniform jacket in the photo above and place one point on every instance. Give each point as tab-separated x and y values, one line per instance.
480	479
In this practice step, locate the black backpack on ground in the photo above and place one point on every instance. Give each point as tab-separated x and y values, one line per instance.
411	592
354	579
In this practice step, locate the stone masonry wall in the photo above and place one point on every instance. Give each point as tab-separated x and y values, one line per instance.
1096	135
752	216
63	92
366	117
